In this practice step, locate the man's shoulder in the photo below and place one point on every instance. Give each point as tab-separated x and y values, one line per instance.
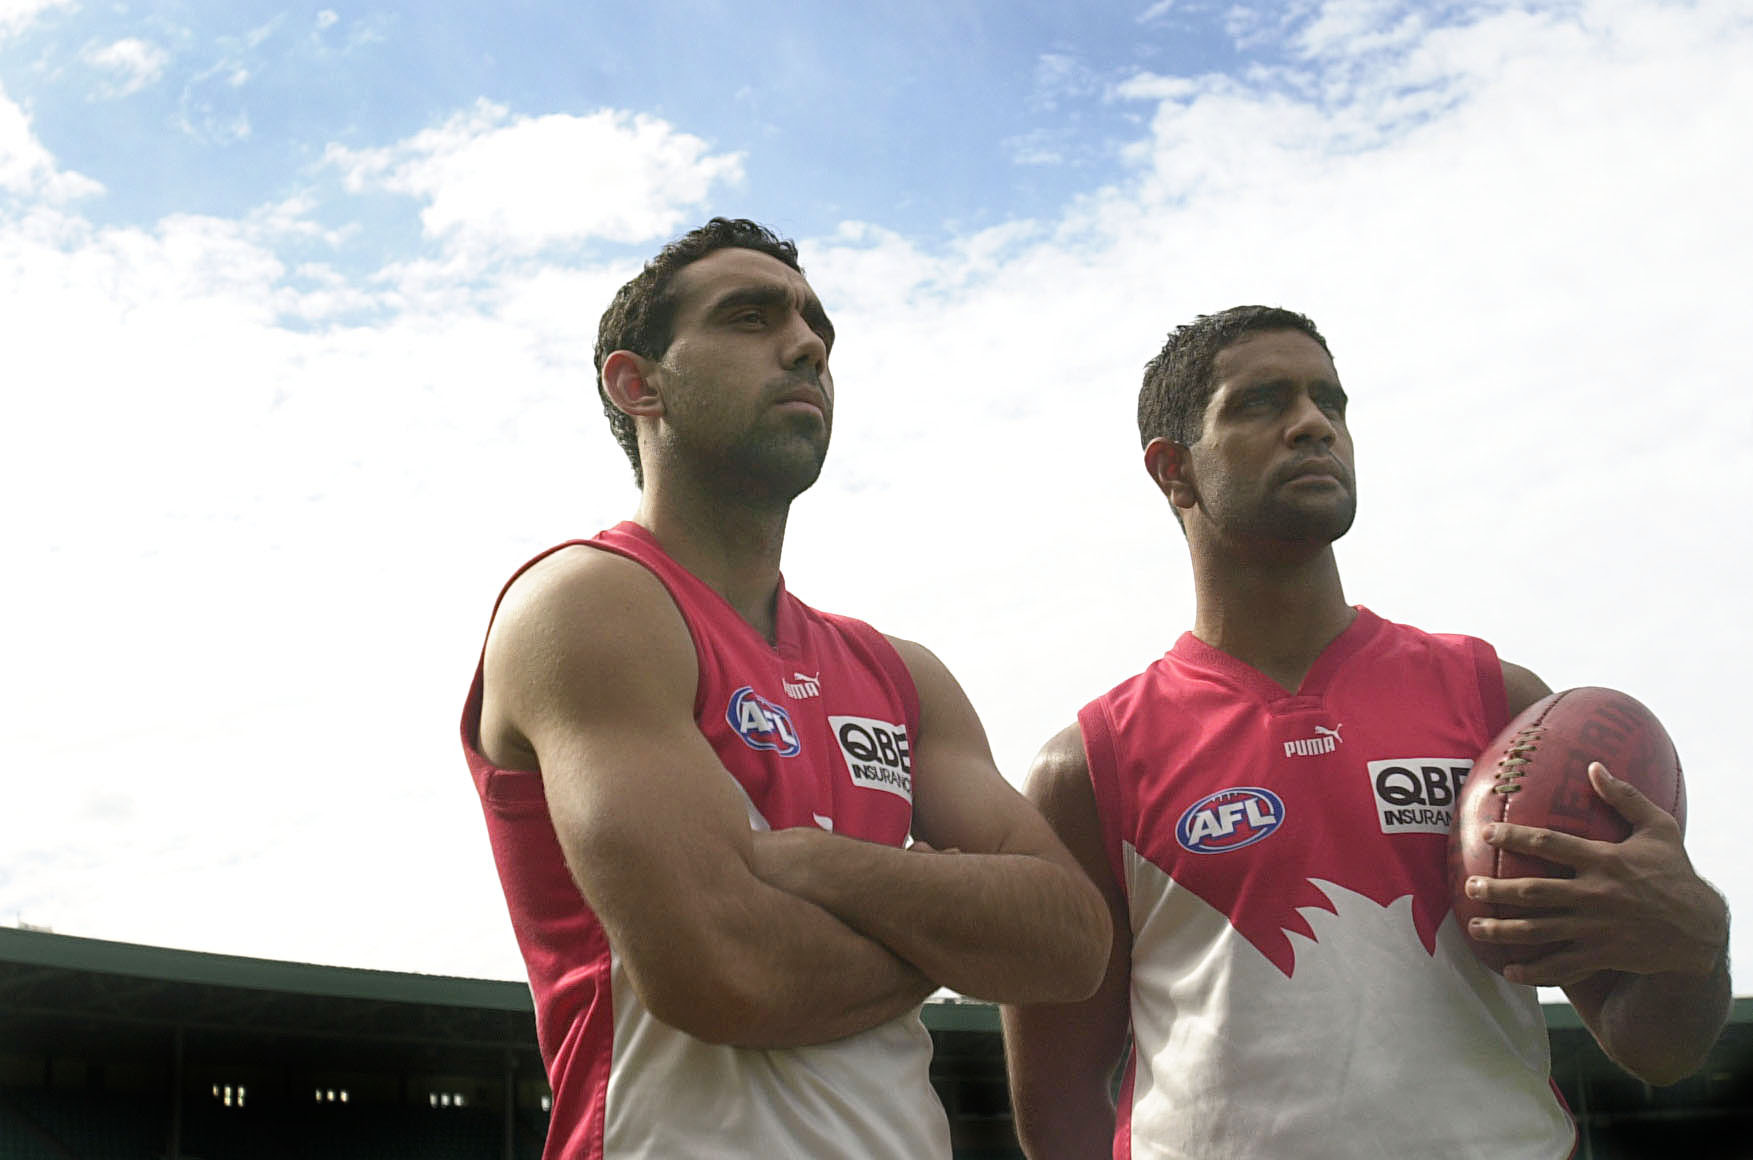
1395	651
1396	631
573	627
577	609
574	581
1167	674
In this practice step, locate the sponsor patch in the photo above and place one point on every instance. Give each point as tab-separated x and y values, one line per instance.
1229	819
1417	795
802	686
761	724
876	752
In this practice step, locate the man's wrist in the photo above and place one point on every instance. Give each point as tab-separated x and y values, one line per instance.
1714	959
786	859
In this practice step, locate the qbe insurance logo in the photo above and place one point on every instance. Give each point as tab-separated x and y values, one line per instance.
761	724
1417	795
876	753
1229	819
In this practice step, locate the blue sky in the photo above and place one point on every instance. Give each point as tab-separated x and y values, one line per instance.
300	302
944	117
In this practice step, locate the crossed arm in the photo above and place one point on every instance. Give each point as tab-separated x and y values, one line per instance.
1636	938
992	904
741	937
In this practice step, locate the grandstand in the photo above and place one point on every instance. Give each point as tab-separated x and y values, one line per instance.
112	1051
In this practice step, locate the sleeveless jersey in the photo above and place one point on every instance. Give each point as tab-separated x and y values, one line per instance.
1300	987
814	731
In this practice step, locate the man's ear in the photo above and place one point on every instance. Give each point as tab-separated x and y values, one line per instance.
1171	465
627	380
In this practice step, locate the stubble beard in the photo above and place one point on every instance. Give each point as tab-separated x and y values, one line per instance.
768	464
1271	519
773	467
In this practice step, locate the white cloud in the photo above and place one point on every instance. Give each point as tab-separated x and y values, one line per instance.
1038	147
255	37
494	182
17	15
213	105
132	64
1061	76
27	169
1353	28
327	19
177	425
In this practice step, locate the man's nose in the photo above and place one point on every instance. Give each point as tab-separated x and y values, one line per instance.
1309	421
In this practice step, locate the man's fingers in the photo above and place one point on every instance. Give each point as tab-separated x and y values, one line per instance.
1528	893
1550	845
1509	931
1624	797
1531	930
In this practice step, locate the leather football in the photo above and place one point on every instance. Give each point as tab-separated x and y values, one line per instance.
1536	773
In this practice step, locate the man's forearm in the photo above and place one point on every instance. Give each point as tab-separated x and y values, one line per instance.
1010	928
1059	1061
1661	1027
1076	1129
782	971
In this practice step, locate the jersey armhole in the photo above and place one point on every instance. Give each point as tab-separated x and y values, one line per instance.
471	722
1494	699
898	673
1098	752
652	558
876	647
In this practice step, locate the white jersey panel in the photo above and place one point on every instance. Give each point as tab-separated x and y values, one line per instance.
1371	1043
865	1097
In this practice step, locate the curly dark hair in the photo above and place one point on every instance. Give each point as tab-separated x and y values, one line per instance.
642	313
1178	381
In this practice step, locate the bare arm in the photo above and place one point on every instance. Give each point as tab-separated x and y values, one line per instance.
999	911
1641	941
590	671
1061	1057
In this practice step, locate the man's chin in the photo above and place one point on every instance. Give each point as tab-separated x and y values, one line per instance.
781	475
1312	523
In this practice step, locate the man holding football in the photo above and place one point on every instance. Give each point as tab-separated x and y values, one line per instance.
1285	956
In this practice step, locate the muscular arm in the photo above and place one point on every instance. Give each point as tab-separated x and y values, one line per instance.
999	911
1637	939
1061	1057
590	676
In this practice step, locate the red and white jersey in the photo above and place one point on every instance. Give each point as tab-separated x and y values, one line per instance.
1300	987
815	731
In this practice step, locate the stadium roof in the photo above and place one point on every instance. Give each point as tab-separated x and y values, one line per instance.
56	990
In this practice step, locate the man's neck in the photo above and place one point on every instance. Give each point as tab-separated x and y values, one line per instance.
731	546
1276	617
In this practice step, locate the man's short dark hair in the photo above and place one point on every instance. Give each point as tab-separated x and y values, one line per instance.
642	314
1178	381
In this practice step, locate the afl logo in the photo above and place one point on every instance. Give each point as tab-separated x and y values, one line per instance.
1229	819
761	724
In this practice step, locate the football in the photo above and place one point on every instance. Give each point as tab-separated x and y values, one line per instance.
1536	773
